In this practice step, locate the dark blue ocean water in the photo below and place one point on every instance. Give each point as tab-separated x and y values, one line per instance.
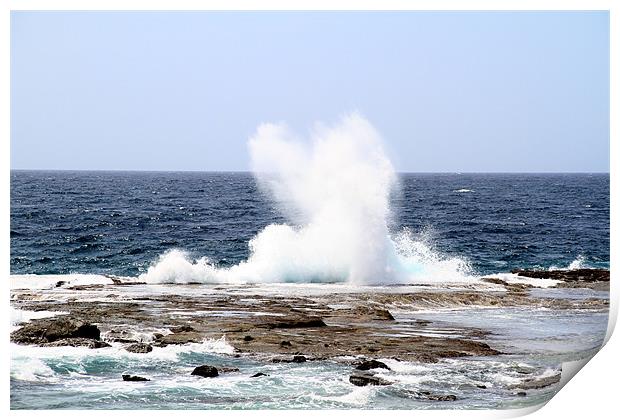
120	222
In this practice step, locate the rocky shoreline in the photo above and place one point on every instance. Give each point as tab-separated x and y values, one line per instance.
353	327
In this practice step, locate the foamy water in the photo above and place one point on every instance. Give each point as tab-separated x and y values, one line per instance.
335	188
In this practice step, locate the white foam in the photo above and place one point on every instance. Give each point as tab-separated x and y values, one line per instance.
358	396
576	264
335	188
19	315
30	369
170	352
463	190
512	278
49	281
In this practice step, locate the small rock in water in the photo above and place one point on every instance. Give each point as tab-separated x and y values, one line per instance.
258	375
372	364
248	338
521	394
139	348
133	378
205	371
363	379
285	343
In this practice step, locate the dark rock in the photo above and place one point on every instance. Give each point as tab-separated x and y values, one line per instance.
481	386
181	338
285	343
298	323
60	283
182	329
258	375
372	364
248	338
363	379
426	395
205	371
586	275
521	394
157	336
47	330
77	342
139	348
133	378
295	359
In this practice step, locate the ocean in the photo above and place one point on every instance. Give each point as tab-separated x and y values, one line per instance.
214	255
120	222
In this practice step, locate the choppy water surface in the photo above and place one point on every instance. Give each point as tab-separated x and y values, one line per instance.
121	222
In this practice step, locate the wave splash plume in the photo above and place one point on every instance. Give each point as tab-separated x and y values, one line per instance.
335	190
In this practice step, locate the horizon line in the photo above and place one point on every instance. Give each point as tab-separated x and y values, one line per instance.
250	172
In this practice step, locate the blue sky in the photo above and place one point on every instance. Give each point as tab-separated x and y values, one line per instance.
449	91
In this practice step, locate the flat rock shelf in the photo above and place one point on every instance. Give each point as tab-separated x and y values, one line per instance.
364	336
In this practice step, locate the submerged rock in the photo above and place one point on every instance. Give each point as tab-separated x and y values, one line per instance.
364	379
133	378
227	369
206	371
258	375
537	383
46	330
295	359
372	364
139	348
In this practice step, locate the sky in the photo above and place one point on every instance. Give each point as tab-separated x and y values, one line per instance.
448	91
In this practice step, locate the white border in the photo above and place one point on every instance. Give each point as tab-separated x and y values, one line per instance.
582	401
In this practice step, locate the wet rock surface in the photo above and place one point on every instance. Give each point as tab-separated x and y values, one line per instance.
139	348
206	371
367	327
77	342
46	330
134	378
371	364
592	278
537	383
365	379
